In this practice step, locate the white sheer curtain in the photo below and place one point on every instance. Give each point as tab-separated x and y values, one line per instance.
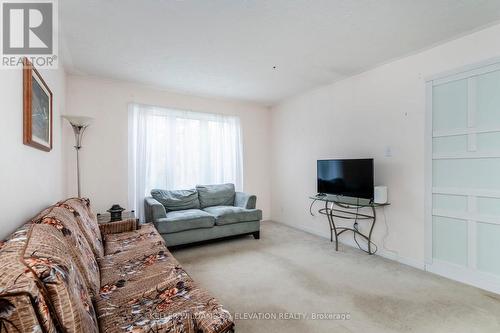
173	149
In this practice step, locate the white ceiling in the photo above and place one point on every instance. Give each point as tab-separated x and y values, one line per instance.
227	48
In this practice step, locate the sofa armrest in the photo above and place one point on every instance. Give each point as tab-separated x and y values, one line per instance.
245	200
153	210
117	227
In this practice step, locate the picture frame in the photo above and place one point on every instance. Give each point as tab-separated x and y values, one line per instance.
37	109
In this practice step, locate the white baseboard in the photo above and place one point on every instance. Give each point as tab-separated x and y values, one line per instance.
381	252
480	280
402	260
465	275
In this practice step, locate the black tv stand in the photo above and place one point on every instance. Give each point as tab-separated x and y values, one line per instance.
348	208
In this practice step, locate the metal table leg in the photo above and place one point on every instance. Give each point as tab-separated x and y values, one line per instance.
337	231
333	228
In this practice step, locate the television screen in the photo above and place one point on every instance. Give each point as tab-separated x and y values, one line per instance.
352	178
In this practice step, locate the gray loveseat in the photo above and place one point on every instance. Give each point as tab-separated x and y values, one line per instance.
207	212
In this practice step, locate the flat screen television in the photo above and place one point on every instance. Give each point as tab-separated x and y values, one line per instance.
352	178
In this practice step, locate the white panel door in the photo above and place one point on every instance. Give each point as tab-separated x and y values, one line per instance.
463	176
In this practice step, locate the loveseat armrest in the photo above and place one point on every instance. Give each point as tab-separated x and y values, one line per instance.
245	200
117	227
153	210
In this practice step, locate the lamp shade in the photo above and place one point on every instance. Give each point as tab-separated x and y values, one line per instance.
78	121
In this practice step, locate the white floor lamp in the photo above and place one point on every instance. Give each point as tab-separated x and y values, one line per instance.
79	125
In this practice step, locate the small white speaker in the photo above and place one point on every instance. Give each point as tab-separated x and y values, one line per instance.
380	194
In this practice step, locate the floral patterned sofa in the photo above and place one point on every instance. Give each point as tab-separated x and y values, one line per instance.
62	272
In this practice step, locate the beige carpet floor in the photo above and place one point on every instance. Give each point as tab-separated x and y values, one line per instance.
292	273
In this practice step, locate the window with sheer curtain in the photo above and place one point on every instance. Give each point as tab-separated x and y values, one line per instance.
174	149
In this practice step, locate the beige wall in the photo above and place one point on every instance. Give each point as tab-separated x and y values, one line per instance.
30	179
104	154
360	117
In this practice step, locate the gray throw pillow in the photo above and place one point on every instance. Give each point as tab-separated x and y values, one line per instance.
216	195
177	200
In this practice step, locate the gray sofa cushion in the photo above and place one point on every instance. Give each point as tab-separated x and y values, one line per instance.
216	195
218	231
229	214
184	220
177	200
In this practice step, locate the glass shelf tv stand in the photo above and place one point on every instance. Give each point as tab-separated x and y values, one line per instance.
348	208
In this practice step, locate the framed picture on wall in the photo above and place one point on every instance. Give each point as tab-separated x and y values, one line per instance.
37	105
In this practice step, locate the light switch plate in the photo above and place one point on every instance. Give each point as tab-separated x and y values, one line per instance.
388	151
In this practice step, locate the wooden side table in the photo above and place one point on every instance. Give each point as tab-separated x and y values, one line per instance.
106	218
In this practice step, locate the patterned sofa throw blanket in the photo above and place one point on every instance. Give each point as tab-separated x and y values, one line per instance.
24	304
65	223
41	288
87	222
216	195
46	255
177	200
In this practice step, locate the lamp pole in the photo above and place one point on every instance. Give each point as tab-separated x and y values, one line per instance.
78	130
79	125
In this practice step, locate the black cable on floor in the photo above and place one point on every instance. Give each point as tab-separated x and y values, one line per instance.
357	243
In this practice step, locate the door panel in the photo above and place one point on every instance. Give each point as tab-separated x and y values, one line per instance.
454	203
488	248
472	173
463	142
488	100
449	110
450	240
449	144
